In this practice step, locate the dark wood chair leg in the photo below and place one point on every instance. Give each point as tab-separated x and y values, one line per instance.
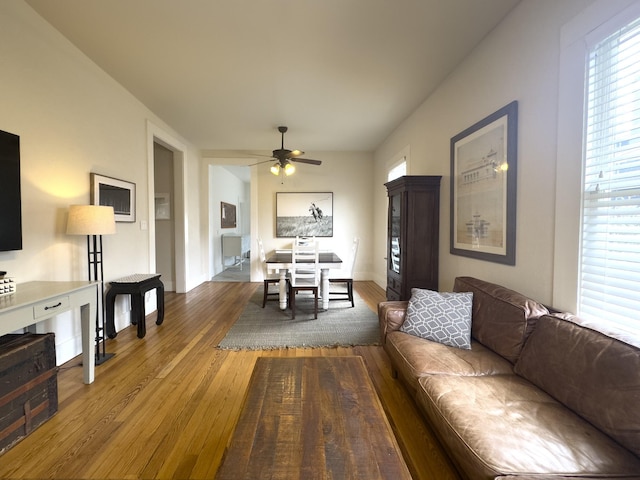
350	290
264	295
292	302
349	284
315	293
292	299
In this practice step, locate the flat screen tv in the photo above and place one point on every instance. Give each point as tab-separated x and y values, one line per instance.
11	209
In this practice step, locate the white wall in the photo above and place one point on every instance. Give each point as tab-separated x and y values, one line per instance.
519	60
74	119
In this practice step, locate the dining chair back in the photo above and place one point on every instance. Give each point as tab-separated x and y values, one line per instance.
345	275
304	275
305	241
268	278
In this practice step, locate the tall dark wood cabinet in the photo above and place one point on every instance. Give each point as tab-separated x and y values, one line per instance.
412	235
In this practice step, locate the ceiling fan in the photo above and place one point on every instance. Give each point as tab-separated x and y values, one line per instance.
284	157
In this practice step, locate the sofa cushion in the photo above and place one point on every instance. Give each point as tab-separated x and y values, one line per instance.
442	317
502	319
596	376
414	357
503	424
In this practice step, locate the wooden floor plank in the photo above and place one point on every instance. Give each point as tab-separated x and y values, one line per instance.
166	406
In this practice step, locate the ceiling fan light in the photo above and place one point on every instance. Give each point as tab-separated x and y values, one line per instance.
275	169
289	169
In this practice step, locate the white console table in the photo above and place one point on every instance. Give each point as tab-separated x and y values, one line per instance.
235	245
34	302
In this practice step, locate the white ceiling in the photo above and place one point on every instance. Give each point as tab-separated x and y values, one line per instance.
341	74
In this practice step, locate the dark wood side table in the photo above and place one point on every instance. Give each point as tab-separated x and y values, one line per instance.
135	285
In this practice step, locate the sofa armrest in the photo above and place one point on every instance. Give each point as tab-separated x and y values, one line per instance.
391	316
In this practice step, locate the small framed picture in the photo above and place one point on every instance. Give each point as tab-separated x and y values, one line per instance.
119	194
227	215
163	206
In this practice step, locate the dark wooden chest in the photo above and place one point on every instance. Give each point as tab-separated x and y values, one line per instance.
28	385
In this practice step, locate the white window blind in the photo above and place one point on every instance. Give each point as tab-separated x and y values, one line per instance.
609	287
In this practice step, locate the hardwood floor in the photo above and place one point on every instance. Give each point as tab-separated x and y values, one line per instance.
165	406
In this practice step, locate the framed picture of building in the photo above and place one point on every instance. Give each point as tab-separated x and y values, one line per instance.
483	188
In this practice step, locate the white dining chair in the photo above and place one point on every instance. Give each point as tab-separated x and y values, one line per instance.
304	275
345	276
269	278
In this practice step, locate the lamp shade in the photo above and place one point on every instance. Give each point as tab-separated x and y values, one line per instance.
289	169
91	220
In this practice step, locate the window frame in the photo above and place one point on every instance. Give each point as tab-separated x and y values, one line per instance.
398	159
594	23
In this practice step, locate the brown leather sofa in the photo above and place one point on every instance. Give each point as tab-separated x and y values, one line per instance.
538	395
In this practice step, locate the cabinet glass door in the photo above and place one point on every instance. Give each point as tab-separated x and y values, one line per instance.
394	234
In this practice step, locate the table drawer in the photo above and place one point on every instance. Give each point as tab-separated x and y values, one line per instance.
51	307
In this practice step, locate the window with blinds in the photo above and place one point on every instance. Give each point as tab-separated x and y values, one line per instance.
609	283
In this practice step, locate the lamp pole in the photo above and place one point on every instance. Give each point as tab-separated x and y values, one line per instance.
96	273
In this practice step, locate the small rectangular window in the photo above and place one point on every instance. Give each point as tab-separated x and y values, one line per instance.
398	171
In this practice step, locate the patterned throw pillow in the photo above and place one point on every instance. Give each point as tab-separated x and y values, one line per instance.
440	317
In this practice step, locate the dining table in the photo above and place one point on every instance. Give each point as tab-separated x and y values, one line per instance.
280	262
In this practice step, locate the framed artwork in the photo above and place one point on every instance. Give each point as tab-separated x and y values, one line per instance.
304	214
483	188
163	206
227	215
119	194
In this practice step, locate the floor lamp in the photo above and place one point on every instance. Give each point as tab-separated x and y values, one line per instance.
94	221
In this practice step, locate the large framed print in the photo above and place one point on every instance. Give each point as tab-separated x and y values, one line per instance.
304	214
483	188
119	194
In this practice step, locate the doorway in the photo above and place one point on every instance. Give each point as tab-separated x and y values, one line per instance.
163	180
229	184
177	187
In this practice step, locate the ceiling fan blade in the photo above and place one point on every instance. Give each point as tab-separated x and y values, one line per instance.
245	154
306	160
263	161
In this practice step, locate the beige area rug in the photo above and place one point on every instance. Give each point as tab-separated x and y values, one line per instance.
268	328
